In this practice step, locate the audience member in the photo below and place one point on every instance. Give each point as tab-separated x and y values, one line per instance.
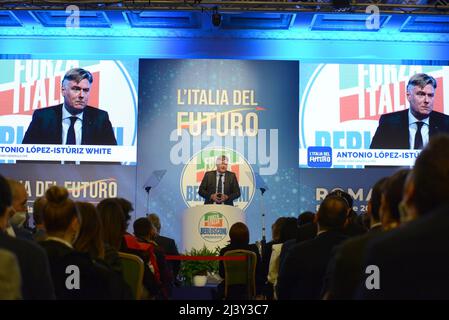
239	239
168	245
302	273
90	241
19	213
115	220
289	230
33	262
39	228
266	250
412	259
145	233
62	223
345	269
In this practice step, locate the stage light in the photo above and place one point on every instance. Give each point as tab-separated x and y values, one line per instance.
216	19
341	5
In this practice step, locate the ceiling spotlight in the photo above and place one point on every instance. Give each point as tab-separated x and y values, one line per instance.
216	19
341	5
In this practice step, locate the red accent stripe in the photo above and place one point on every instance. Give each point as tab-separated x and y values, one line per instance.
349	105
206	258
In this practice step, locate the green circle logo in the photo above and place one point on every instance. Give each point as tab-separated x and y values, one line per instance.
213	226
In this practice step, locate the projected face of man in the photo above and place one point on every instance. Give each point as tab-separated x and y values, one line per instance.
421	101
222	164
76	95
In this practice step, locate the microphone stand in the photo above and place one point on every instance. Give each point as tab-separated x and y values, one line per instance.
263	242
147	189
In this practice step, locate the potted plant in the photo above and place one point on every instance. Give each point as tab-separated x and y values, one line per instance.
199	268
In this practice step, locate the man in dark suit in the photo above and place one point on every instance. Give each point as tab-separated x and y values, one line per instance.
73	122
17	224
168	245
220	186
412	260
345	268
412	128
301	275
33	262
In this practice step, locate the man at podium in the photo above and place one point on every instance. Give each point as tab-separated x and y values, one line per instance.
220	186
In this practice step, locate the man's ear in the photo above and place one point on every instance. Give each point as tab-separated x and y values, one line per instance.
409	95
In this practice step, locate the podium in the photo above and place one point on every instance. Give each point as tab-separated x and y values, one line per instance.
208	225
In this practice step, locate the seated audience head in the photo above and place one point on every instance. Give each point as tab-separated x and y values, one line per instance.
289	229
19	203
428	188
90	238
144	229
391	198
305	218
332	213
113	221
276	229
127	208
38	210
154	219
375	201
5	202
340	193
61	218
239	234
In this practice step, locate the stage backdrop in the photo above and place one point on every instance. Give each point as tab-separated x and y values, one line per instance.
191	111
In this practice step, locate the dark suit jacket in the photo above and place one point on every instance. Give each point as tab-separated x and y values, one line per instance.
94	279
345	268
209	186
393	129
169	248
413	260
46	127
23	233
301	275
34	268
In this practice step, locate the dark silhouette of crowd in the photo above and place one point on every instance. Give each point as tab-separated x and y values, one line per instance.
397	249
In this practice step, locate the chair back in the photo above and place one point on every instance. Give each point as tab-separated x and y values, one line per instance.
133	268
240	275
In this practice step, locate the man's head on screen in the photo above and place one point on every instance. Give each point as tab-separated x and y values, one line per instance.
420	94
222	164
76	89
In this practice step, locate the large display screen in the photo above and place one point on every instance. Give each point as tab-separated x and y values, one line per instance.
33	109
340	109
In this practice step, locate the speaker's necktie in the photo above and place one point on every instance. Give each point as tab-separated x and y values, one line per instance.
220	184
418	136
71	139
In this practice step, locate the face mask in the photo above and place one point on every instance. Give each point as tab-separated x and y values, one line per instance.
18	219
